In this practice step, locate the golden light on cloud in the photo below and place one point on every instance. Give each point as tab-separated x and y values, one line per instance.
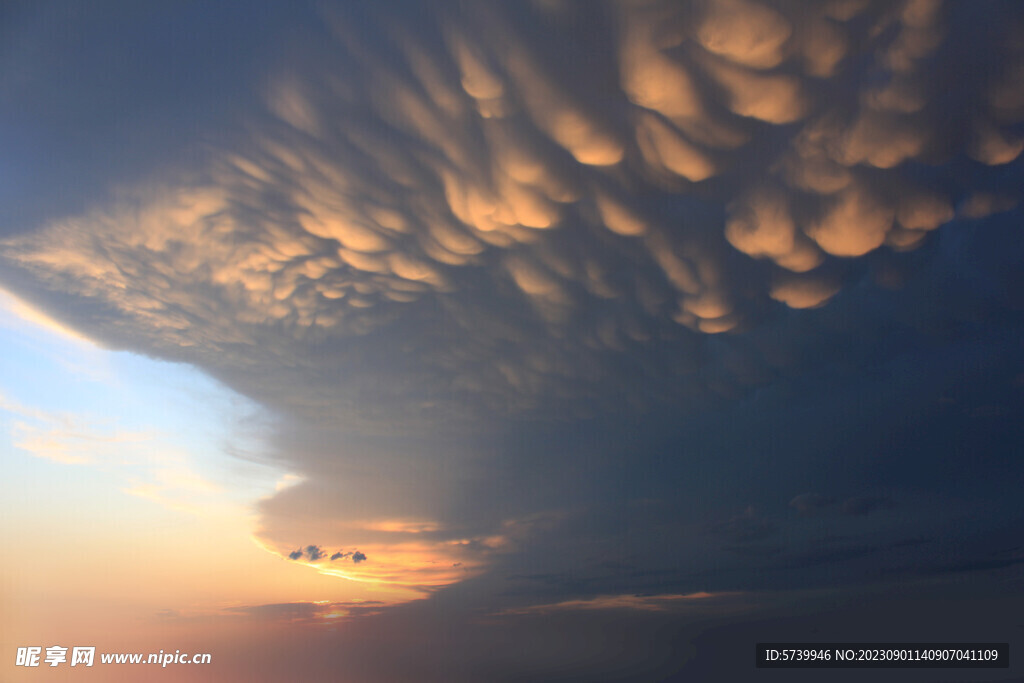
773	98
902	239
924	212
415	566
618	218
803	293
652	79
823	46
475	260
880	139
747	33
666	149
399	570
400	526
643	603
717	325
25	312
578	131
762	227
994	147
478	79
366	229
397	559
855	224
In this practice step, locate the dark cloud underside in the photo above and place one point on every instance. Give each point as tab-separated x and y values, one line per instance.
565	303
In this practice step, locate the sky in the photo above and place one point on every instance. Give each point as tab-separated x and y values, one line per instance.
547	340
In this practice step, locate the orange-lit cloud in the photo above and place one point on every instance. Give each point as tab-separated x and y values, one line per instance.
311	230
747	33
646	603
855	224
438	231
803	293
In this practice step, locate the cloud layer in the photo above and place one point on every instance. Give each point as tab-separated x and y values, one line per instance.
459	219
504	272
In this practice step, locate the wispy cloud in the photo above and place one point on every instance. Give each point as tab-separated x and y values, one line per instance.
320	612
647	603
142	462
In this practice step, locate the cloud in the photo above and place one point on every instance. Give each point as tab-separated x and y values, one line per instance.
354	555
74	439
524	259
468	163
313	553
983	204
803	292
26	313
135	458
654	603
320	612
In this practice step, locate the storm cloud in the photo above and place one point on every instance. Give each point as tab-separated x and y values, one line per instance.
401	187
637	299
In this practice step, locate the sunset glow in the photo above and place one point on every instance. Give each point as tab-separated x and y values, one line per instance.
533	341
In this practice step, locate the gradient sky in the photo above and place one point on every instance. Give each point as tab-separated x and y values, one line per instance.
509	341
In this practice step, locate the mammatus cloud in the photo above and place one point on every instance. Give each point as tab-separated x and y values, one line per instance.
463	169
467	217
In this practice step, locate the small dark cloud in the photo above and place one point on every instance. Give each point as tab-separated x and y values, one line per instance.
355	556
313	552
863	505
810	503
